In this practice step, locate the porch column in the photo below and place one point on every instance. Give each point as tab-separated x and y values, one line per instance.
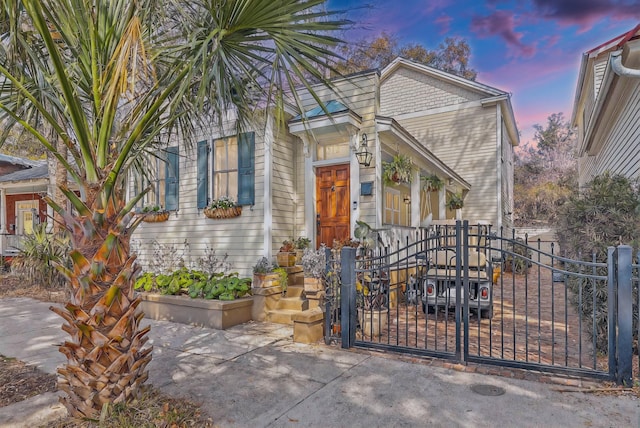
354	168
309	192
442	203
3	211
415	199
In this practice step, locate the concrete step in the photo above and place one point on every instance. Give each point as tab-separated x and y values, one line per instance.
296	278
281	316
293	303
295	291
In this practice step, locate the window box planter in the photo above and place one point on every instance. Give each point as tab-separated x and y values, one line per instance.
219	213
155	216
218	314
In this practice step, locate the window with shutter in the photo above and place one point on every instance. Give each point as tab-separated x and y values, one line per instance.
172	177
246	169
203	174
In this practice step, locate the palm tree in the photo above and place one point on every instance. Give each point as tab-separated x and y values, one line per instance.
110	81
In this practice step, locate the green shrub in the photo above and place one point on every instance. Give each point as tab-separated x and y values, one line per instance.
196	284
606	214
40	253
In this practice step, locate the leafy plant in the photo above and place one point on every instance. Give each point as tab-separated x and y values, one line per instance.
152	209
223	202
520	261
455	201
399	170
606	214
264	266
432	183
196	284
287	246
301	243
283	276
314	262
40	254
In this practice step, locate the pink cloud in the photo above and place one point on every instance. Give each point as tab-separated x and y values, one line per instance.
585	13
444	21
503	23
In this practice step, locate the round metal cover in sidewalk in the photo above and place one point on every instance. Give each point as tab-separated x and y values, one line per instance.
487	390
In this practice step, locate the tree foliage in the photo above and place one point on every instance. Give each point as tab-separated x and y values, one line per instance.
607	213
545	173
452	55
110	82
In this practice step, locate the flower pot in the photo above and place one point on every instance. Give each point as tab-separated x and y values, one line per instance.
285	259
299	254
373	322
155	216
265	280
219	213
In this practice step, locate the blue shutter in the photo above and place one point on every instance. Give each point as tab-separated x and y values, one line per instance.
203	174
172	174
246	169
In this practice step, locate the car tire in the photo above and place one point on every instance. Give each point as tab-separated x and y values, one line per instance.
486	313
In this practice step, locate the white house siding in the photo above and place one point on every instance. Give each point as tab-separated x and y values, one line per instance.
586	169
465	140
507	179
408	91
284	197
242	238
620	154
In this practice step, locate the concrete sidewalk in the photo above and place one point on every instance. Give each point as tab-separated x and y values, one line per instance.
253	375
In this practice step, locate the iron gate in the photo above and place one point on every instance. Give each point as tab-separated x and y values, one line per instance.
468	294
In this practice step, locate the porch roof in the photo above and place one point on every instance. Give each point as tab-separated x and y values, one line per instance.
330	107
26	174
391	129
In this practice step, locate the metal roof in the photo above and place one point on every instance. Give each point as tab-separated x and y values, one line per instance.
331	107
14	160
26	174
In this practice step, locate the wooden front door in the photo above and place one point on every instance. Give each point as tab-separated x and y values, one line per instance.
332	206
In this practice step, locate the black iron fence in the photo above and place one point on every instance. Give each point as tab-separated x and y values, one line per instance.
471	294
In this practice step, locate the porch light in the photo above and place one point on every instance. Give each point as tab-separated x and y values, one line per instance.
363	155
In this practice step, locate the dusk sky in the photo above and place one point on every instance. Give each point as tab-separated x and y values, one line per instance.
530	48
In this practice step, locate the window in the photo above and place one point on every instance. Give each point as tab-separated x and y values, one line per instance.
162	179
396	211
228	164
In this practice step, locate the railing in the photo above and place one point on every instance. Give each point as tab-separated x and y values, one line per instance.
10	244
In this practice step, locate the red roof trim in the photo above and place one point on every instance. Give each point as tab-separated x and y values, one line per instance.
620	40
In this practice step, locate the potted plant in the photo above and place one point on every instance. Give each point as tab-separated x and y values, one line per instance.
264	274
314	265
432	183
374	313
399	170
301	244
223	207
154	214
455	201
287	255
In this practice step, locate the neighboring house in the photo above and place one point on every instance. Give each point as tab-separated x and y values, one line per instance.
302	178
22	182
606	109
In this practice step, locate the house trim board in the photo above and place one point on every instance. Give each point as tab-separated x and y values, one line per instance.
268	192
499	162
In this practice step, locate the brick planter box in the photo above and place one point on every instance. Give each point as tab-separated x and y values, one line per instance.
216	314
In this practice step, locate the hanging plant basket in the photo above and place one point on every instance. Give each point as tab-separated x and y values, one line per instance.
219	213
155	216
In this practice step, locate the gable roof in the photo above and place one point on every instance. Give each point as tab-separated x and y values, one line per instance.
439	74
589	56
